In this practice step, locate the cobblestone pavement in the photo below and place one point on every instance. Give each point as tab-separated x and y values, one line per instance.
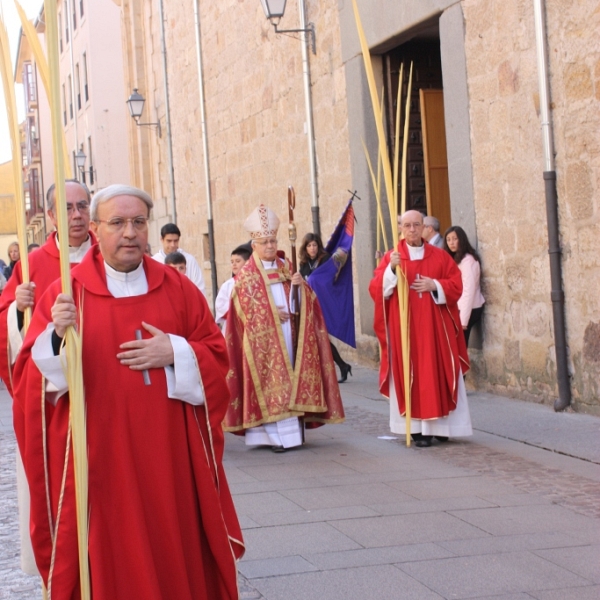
14	584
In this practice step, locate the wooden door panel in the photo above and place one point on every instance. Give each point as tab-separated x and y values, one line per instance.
427	75
435	157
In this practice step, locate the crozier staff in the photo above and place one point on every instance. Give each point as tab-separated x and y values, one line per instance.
271	386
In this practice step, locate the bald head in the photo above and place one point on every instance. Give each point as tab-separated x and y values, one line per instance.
411	226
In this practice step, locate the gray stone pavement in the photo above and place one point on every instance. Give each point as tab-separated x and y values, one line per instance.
512	513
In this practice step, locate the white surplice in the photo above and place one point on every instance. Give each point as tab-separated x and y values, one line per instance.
288	432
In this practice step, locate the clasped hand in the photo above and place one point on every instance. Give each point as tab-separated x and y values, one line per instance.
153	353
423	284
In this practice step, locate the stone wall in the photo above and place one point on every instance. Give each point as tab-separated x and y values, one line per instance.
518	353
255	109
258	146
143	70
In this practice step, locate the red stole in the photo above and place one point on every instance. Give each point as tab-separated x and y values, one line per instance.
264	387
162	522
437	347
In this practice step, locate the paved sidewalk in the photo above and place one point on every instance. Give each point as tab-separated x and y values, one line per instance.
512	513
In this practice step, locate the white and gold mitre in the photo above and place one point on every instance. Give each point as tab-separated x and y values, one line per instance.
262	223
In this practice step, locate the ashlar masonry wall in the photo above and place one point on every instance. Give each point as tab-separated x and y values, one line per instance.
255	108
518	354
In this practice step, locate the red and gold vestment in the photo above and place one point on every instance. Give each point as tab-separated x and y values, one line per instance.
265	386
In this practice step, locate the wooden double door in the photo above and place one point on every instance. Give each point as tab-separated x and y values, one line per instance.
427	164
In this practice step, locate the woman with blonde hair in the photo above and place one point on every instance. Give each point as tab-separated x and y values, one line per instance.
14	255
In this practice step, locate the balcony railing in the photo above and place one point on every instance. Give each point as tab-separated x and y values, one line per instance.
30	86
34	202
33	140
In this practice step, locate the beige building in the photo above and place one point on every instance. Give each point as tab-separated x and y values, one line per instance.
479	60
8	217
92	93
93	109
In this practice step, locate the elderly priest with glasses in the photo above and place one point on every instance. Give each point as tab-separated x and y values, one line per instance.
282	372
44	268
17	296
161	519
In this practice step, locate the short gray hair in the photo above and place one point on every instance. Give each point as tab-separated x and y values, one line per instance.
50	194
435	223
118	189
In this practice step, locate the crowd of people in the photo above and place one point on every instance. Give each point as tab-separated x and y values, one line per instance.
164	380
162	386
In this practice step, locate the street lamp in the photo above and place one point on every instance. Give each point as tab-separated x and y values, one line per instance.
80	158
135	102
274	10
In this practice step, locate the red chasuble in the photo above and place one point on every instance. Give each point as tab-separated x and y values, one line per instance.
161	519
44	269
437	346
264	386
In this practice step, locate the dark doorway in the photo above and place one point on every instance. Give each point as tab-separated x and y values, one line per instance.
427	170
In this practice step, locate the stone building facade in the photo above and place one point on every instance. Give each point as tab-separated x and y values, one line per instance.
482	55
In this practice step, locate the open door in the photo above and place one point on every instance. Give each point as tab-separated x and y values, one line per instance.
435	158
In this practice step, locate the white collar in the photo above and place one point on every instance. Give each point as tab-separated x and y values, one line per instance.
76	253
164	254
138	273
416	252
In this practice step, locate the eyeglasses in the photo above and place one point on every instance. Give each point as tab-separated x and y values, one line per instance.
119	223
267	242
83	206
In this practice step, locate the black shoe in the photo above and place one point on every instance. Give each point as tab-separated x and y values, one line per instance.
421	441
441	438
344	370
278	449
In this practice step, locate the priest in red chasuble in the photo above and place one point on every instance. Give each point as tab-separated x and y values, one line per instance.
44	269
161	519
278	372
438	354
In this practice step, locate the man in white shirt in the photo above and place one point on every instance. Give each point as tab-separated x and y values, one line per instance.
169	237
431	232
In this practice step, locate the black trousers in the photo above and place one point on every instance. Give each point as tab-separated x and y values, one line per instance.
473	319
